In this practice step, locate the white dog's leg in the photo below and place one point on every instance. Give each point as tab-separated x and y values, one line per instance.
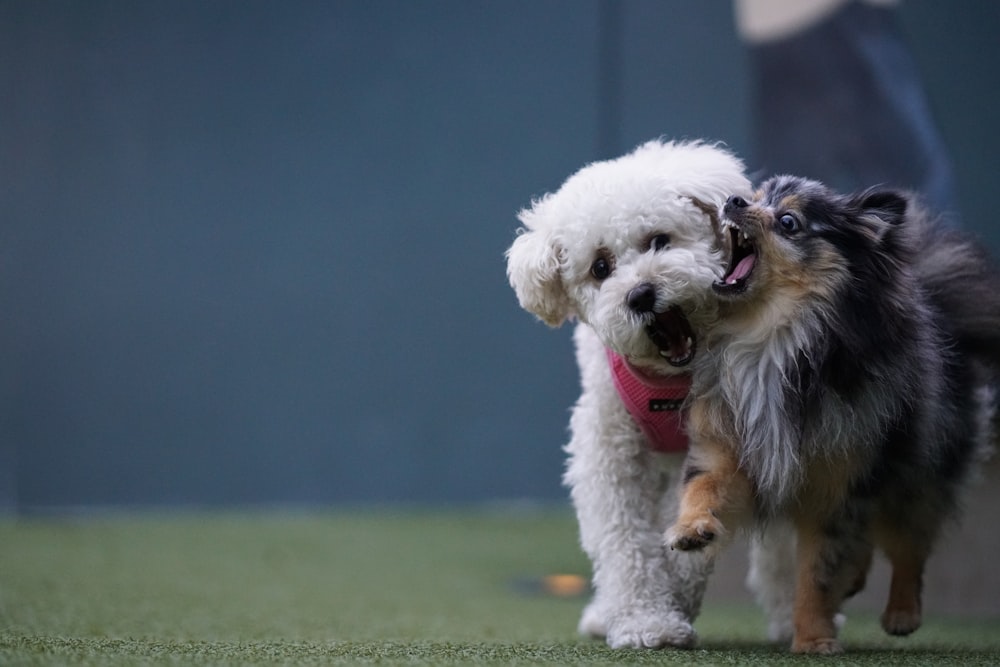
593	621
771	577
645	595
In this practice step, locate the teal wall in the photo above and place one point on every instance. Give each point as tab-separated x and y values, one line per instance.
252	252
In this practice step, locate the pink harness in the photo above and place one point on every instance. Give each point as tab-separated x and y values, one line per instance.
654	404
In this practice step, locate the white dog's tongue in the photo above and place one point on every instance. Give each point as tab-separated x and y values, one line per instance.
671	332
742	269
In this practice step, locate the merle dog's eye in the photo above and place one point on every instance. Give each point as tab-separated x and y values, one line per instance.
601	268
789	223
659	242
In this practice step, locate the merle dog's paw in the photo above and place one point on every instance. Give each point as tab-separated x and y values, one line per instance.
900	622
821	646
694	534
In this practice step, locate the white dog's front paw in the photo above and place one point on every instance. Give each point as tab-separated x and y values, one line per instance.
637	630
780	630
593	622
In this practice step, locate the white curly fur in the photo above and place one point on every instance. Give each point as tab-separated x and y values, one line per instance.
625	494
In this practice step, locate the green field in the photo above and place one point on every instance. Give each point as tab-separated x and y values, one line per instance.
434	588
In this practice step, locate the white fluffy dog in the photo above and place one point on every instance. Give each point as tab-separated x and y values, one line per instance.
629	248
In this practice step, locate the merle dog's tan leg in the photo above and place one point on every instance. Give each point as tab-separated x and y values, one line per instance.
715	493
813	615
902	613
833	558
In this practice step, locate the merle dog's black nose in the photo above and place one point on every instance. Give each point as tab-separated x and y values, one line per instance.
641	298
733	203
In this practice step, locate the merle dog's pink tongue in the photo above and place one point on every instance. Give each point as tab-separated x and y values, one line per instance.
742	269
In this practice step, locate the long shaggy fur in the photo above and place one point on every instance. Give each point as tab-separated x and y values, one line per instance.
847	387
644	224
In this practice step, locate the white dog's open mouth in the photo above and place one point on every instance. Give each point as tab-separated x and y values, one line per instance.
671	332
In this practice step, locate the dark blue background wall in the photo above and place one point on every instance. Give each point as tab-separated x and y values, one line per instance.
252	252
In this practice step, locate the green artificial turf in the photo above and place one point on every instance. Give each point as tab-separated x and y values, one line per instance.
439	588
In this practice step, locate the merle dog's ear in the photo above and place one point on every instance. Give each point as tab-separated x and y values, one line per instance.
886	204
879	211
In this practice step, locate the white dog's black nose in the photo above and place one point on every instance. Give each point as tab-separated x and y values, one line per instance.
641	298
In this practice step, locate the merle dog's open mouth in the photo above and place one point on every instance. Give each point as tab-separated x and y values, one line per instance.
671	332
741	263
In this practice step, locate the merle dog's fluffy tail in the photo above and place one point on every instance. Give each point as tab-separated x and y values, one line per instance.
964	283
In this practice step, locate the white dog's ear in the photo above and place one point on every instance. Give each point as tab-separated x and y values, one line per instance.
712	212
533	270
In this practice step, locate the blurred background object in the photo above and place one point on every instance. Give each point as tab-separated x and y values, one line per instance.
251	253
837	95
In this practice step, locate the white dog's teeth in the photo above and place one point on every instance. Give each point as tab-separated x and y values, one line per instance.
664	354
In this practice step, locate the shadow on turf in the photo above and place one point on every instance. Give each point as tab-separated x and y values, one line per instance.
875	655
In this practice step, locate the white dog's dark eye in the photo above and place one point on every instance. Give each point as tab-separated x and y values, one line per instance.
789	223
659	242
601	268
